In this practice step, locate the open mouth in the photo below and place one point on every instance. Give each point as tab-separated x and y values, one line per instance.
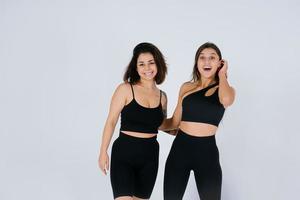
207	69
148	73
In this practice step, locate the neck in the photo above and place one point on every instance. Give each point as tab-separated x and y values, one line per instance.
204	82
149	84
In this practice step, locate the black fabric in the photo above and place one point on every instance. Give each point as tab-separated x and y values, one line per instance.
134	166
196	107
137	118
199	154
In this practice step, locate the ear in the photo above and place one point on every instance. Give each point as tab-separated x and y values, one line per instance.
221	63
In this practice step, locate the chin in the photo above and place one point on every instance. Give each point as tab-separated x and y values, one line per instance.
208	76
148	78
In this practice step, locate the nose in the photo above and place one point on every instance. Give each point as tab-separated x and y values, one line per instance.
207	61
147	67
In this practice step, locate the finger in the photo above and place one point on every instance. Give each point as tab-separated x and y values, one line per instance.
99	165
103	169
107	164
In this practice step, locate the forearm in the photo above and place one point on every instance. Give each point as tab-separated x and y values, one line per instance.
168	124
226	92
107	135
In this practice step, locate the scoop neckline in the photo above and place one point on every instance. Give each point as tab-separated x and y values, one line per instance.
144	106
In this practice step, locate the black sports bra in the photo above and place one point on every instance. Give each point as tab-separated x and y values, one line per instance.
196	107
137	118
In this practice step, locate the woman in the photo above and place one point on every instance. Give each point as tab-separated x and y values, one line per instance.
200	108
134	156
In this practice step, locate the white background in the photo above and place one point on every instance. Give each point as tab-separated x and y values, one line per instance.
60	62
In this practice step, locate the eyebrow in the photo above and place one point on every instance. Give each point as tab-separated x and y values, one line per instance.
148	61
210	53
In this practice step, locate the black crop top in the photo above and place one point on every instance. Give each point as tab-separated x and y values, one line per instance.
137	118
196	107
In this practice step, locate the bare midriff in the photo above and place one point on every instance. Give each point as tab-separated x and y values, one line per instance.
198	129
139	134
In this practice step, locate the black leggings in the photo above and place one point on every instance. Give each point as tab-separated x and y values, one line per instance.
134	165
199	154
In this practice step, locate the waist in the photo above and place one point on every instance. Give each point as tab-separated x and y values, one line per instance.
198	129
138	134
184	136
139	128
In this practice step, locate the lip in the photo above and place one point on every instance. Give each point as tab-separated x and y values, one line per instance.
150	72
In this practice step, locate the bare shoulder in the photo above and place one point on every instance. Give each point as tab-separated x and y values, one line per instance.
123	89
185	87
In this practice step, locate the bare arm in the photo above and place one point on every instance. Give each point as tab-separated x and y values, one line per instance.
164	104
164	108
118	101
171	124
226	92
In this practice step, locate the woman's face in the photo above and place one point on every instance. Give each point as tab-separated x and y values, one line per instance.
146	66
208	63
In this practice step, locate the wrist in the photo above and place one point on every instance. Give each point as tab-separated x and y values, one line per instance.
103	150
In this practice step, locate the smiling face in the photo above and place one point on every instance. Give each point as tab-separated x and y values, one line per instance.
208	63
146	66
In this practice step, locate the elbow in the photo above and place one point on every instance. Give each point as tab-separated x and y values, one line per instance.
227	101
111	122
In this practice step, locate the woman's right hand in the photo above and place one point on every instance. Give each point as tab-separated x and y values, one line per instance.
103	162
173	132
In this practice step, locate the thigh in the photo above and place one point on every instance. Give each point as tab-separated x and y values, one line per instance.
121	172
176	175
145	174
208	177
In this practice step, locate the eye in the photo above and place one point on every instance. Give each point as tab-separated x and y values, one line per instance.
212	58
152	63
201	57
141	65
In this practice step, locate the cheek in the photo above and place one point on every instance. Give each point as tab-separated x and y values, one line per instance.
154	68
199	67
139	70
215	65
199	63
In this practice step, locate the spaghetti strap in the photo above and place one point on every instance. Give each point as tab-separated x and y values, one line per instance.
132	90
211	86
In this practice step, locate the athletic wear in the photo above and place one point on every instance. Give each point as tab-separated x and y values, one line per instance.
196	107
199	154
134	165
134	161
137	118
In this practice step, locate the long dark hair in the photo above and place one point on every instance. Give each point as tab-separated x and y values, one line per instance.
196	74
131	75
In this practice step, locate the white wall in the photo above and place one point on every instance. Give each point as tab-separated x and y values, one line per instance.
60	62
